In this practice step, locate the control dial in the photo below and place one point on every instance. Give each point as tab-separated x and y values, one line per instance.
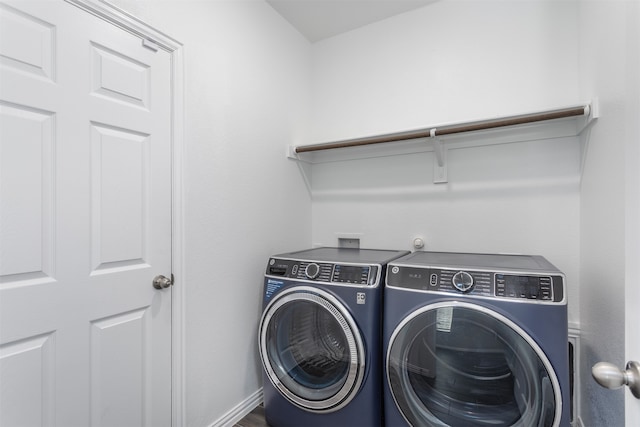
462	281
312	270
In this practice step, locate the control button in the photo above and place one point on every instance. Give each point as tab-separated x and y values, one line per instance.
433	281
312	271
462	281
294	270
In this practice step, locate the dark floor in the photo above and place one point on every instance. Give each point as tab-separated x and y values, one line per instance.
253	419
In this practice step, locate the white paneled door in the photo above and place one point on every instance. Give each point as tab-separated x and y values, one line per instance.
85	221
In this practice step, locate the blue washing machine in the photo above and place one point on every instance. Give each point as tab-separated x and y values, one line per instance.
319	337
475	340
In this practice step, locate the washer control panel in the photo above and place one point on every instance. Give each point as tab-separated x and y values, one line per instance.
355	274
530	287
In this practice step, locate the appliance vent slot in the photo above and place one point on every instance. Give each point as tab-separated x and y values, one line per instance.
326	271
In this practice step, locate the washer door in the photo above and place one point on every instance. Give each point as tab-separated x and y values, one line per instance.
311	349
460	364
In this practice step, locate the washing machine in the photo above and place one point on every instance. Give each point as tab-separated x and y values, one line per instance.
475	340
320	337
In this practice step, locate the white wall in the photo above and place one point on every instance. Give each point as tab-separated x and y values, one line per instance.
632	232
247	92
453	62
450	61
609	69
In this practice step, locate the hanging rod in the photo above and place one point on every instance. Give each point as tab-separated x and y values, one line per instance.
451	129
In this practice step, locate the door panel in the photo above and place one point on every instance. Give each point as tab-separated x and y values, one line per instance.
35	54
26	144
119	78
118	347
85	221
119	197
28	373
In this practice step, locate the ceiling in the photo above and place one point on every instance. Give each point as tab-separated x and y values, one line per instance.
320	19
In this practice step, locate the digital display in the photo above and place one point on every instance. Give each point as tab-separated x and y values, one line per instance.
413	278
528	287
351	274
522	281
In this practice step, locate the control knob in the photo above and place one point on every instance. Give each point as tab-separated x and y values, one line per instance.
312	270
462	281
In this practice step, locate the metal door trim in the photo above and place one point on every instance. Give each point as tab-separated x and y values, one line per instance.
512	325
340	313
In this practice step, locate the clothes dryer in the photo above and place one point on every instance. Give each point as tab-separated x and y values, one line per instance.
475	340
319	337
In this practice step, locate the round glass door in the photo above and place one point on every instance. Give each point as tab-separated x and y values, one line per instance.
311	349
459	364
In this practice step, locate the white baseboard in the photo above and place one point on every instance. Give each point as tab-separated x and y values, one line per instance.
240	410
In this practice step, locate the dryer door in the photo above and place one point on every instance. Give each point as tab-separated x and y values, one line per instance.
311	349
459	364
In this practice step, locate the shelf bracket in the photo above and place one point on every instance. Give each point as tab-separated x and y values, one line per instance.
303	166
439	159
591	113
291	153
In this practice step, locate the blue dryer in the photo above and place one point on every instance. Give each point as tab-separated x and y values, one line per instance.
475	340
319	337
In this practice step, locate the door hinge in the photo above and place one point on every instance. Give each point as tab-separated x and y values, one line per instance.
150	44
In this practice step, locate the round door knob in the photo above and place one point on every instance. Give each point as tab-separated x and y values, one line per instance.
161	282
609	376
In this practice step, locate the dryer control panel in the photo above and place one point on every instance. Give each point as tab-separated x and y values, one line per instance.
529	287
354	274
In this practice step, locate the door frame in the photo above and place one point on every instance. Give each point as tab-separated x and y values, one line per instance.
156	39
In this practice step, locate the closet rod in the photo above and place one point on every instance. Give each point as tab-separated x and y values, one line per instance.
450	130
